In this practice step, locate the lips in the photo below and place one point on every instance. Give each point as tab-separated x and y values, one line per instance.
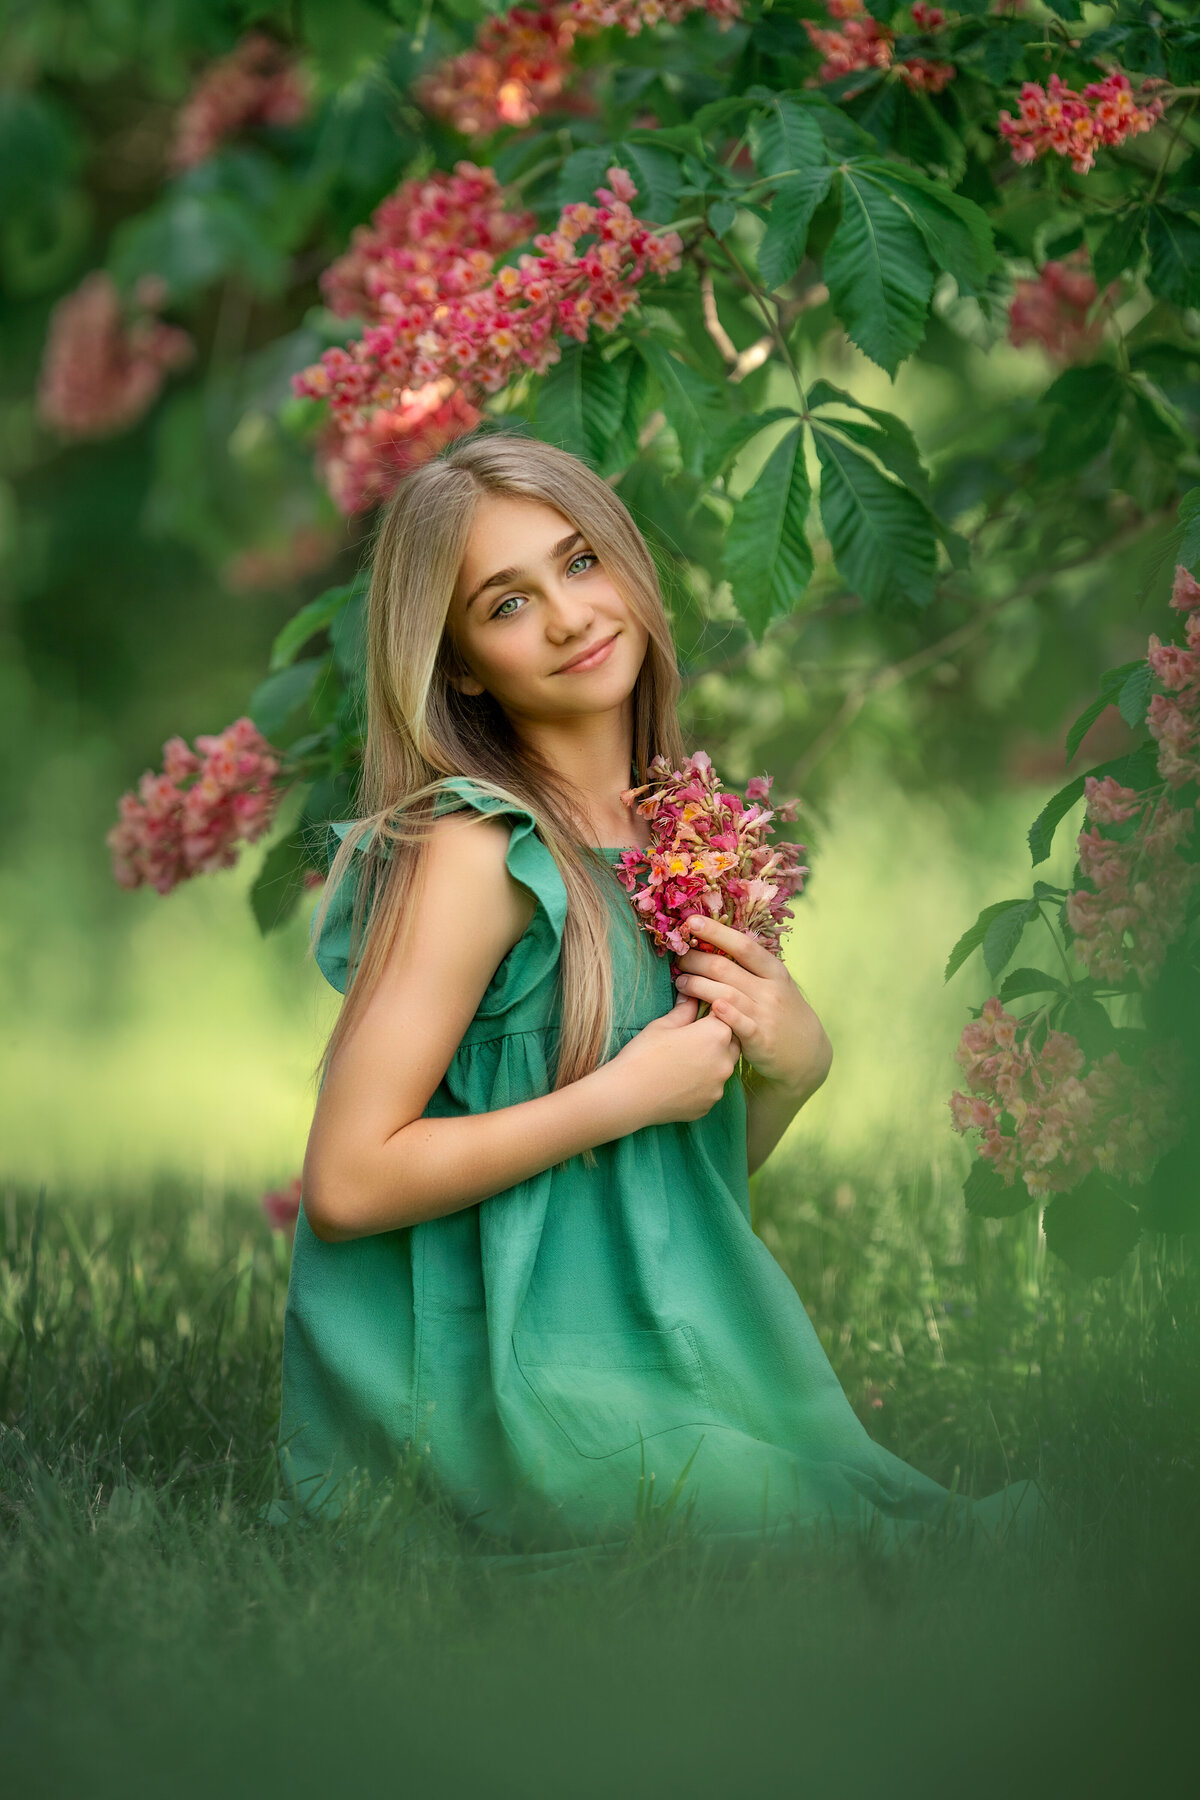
585	655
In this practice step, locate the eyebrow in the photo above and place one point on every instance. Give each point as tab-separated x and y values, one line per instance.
505	575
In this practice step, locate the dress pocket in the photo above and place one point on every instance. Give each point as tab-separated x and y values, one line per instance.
604	1388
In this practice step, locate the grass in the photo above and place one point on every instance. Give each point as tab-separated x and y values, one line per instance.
151	1628
154	1637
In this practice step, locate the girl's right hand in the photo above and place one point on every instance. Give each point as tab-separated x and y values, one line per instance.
677	1065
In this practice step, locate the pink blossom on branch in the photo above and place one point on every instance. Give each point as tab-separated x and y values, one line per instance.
104	363
632	15
189	819
1050	1119
518	64
258	83
433	238
476	338
1052	310
863	43
709	853
1076	125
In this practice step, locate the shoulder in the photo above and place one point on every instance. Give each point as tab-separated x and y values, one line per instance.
464	879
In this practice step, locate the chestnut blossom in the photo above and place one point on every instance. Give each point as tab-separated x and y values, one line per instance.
863	43
189	819
1052	310
1076	125
709	853
258	83
518	64
443	343
104	363
1049	1118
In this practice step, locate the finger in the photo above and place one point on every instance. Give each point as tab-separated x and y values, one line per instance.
738	945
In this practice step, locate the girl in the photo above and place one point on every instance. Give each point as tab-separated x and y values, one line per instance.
524	1252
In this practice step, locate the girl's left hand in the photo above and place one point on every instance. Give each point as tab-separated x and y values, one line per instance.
751	991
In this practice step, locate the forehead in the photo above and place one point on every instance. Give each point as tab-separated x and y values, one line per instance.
508	531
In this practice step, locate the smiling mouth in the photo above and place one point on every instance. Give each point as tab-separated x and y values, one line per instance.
589	657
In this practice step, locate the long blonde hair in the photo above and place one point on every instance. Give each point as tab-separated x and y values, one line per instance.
420	728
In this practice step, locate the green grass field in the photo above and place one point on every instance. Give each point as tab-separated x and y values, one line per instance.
154	1638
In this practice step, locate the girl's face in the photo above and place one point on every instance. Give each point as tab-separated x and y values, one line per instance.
532	597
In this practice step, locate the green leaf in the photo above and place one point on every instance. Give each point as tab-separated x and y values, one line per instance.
1111	684
1189	519
582	173
1173	240
1136	770
1120	248
882	538
697	410
1171	1200
1085	404
1041	832
312	618
974	935
989	1196
1029	981
767	556
1088	1020
276	700
957	233
1134	697
581	401
737	435
657	175
878	273
791	211
721	216
897	451
280	882
786	138
1093	1228
1005	932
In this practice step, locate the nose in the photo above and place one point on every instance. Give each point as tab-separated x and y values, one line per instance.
568	612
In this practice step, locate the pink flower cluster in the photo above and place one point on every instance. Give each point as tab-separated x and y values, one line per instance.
863	43
1049	1118
432	239
362	463
1140	880
1174	717
168	832
104	364
631	15
1140	883
709	854
281	1206
258	83
1076	125
519	62
473	328
1052	310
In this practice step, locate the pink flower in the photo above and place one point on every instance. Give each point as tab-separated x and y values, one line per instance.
104	365
709	854
1185	590
258	83
431	357
1052	310
168	832
520	62
281	1206
1050	1119
1064	121
631	15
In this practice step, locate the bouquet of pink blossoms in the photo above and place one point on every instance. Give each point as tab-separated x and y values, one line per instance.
710	854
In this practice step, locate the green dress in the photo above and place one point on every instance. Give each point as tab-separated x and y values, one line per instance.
578	1345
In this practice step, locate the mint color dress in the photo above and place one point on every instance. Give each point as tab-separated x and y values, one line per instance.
564	1354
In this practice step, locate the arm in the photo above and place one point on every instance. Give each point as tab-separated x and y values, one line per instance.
373	1162
772	1105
